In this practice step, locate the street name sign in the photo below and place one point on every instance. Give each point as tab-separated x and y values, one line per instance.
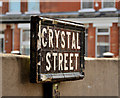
57	49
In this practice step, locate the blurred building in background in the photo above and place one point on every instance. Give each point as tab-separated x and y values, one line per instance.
100	19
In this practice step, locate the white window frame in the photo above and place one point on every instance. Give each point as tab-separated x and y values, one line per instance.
88	9
103	33
33	12
17	12
23	27
108	9
1	3
21	43
1	35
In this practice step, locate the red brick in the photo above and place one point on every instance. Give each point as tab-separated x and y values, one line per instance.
59	6
5	7
114	39
99	6
8	39
117	5
16	38
24	7
91	40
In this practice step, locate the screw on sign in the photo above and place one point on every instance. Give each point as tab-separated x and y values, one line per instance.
57	50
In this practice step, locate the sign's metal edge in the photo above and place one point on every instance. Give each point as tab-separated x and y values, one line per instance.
62	21
51	77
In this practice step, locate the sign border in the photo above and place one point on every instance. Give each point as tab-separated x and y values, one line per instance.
53	77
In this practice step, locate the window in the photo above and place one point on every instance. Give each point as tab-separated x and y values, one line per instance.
102	31
1	3
87	6
33	6
25	42
108	4
102	41
1	45
14	6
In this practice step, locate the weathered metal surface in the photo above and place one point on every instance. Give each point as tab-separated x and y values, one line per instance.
56	91
57	50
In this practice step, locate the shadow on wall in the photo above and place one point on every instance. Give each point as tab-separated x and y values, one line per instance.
15	77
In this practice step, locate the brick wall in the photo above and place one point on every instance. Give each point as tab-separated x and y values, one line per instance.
0	10
16	38
117	5
55	6
59	6
8	39
114	39
119	41
5	7
24	7
91	40
99	6
47	7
